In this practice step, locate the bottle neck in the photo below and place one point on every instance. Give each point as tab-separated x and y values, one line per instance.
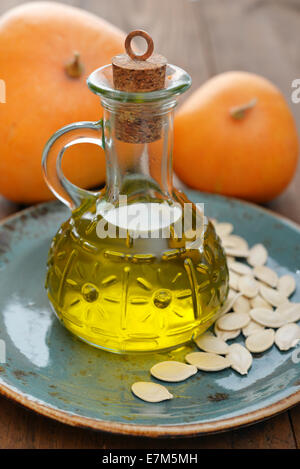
138	141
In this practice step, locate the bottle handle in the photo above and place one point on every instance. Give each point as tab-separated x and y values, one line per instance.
62	188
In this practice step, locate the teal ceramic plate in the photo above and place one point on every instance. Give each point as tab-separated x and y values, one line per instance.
51	372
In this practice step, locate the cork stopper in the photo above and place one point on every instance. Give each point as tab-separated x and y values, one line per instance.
135	73
138	73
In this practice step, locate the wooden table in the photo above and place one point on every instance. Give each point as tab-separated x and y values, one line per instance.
204	37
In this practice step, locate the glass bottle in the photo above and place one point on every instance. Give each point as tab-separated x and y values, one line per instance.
137	266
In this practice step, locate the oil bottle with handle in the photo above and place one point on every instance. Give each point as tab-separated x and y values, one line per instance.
137	267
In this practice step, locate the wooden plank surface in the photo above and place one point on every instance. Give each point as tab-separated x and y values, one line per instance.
205	37
295	424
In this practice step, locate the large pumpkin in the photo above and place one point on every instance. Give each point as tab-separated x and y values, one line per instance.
45	91
236	136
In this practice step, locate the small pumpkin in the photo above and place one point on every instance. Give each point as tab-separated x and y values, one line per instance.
236	136
47	50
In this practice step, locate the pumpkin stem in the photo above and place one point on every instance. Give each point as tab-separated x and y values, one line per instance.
238	112
74	68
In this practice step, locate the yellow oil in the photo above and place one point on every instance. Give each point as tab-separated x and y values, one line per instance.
129	295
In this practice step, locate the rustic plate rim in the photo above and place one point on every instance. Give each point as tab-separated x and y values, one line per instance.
132	429
190	430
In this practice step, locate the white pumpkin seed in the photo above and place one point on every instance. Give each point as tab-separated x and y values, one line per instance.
258	255
240	358
226	335
241	305
287	336
286	285
236	252
172	371
233	321
274	297
252	327
223	229
260	341
290	311
259	302
232	293
265	274
236	242
227	306
230	260
267	318
248	286
233	280
150	392
207	361
240	268
212	344
283	307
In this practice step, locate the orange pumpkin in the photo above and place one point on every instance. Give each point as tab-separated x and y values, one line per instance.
46	89
236	136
